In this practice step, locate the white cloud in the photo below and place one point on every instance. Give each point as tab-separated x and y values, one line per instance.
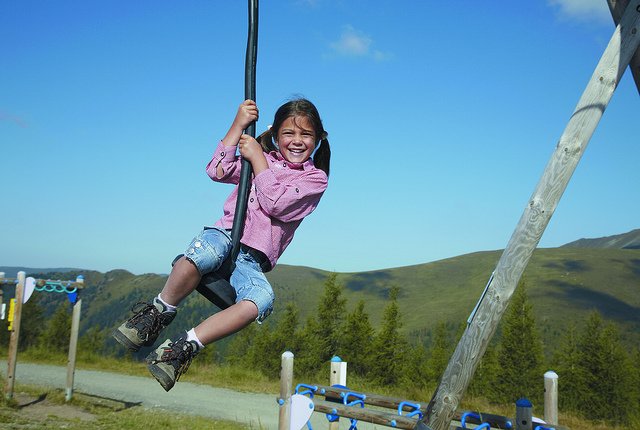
583	10
354	43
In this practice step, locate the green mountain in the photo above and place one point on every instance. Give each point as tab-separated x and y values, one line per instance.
564	285
629	240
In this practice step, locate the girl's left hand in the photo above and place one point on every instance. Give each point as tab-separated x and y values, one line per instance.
251	150
249	147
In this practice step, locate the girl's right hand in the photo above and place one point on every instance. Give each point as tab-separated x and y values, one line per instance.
247	113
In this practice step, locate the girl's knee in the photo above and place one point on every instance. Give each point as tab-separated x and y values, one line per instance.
248	309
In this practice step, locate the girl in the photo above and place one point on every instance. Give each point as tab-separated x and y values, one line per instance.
287	186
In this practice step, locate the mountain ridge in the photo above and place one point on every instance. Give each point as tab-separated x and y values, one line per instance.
564	285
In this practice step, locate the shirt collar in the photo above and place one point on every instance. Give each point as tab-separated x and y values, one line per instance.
297	166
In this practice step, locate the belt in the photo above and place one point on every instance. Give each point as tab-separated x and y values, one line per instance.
257	255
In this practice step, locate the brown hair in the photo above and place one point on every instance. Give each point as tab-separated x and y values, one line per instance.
294	108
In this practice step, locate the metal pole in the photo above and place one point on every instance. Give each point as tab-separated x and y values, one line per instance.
244	186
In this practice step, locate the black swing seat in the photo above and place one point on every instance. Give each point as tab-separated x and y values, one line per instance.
215	286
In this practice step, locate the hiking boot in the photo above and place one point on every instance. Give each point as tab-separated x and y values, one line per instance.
143	328
171	359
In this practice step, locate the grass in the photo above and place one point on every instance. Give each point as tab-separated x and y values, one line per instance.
48	408
116	416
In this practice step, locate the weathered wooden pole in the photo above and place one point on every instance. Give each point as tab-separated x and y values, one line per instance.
15	336
551	397
617	8
286	390
337	376
73	340
536	216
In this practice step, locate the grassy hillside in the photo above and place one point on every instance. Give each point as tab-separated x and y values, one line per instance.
564	285
630	240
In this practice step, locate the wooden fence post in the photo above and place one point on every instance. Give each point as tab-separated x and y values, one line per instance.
551	397
73	340
338	376
286	390
534	220
15	336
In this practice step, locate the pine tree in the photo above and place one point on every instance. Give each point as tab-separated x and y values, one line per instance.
239	350
310	349
634	382
331	316
55	337
267	345
390	348
357	340
320	338
92	343
520	352
31	324
606	368
439	353
572	388
484	383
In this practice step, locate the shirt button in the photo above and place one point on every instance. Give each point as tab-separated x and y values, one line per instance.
297	190
251	199
284	164
198	244
222	154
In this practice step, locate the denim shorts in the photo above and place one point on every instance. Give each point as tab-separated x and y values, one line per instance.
208	251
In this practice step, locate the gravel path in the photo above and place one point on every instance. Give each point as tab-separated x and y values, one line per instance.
260	411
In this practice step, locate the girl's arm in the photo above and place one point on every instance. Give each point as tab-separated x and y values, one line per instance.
224	166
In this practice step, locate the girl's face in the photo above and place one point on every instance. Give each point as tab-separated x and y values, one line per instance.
296	139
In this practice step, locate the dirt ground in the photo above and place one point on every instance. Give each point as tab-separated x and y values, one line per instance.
35	412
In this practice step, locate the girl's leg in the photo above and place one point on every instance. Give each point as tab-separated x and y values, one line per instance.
227	322
182	280
206	253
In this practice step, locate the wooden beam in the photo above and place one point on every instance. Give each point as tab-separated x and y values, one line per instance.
617	8
365	415
536	216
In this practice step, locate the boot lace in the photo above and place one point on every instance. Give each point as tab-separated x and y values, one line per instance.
148	318
179	354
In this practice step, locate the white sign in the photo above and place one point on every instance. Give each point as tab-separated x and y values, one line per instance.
29	286
301	410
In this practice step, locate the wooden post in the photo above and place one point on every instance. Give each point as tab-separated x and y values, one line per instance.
2	305
617	8
536	216
551	397
15	336
338	376
286	390
73	341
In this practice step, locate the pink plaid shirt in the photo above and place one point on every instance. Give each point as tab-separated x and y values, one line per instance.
279	199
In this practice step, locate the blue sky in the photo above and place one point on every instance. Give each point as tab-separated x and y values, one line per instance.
441	117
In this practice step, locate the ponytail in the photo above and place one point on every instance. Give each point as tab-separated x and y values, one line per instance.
266	141
322	157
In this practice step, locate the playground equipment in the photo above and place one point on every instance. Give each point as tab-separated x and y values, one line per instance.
337	401
621	50
24	288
